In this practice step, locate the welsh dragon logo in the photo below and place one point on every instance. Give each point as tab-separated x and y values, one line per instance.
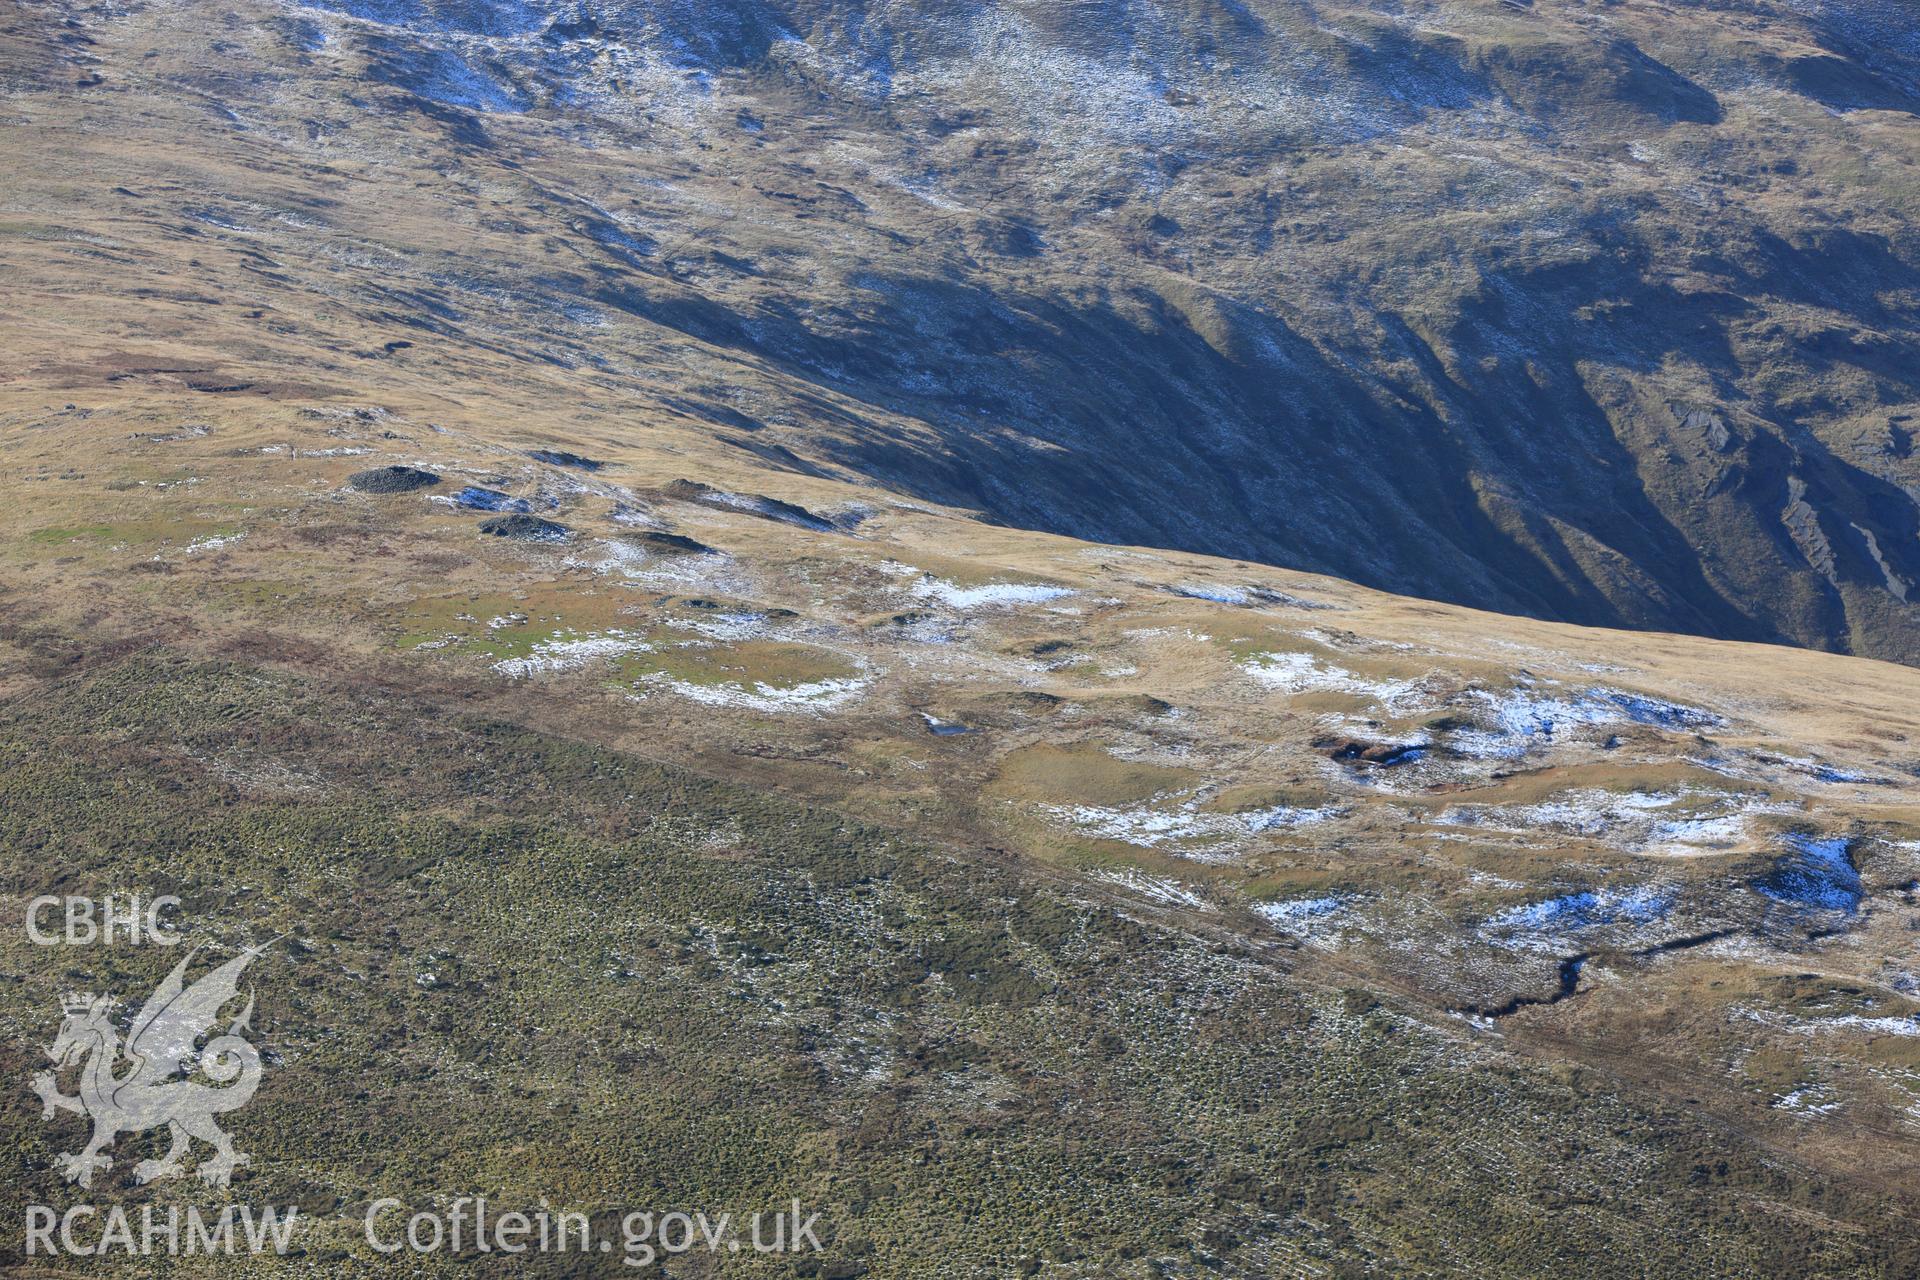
157	1087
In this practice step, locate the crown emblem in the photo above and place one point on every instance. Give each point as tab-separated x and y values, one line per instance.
150	1094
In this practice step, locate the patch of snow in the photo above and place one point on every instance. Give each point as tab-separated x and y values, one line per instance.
1818	770
1303	673
1545	925
1292	911
475	498
1808	1100
1358	644
1906	1028
1818	874
1219	595
1187	831
1633	821
634	517
613	557
1158	888
211	542
767	507
1242	596
816	695
1713	833
996	595
731	627
1766	766
1524	718
609	556
570	653
1283	817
